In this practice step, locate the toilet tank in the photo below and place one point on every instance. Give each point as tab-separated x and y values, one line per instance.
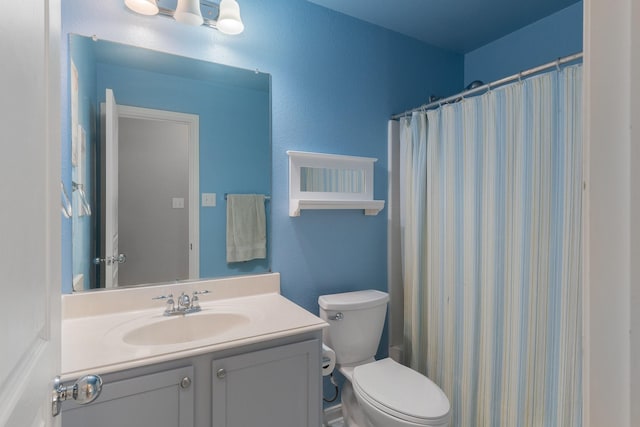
355	333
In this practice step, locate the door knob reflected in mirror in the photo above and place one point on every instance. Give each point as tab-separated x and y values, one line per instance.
120	259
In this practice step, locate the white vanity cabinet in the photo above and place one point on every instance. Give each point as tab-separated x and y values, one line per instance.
265	384
261	371
276	387
162	399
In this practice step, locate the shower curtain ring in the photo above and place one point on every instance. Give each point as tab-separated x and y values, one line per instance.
520	77
558	64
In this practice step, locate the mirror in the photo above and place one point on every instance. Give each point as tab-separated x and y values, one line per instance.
188	133
331	180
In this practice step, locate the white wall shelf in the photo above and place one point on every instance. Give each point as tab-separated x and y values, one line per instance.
330	181
372	207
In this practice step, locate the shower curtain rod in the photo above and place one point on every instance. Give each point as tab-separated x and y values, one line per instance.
454	98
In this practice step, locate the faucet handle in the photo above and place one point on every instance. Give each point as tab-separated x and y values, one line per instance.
170	303
195	301
195	304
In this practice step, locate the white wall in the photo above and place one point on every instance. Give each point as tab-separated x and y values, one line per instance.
635	214
611	238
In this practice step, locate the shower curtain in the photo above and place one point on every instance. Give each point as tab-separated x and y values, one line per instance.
491	196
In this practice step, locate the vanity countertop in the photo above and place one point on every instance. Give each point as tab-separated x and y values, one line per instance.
93	343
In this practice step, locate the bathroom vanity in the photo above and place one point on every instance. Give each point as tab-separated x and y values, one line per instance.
256	364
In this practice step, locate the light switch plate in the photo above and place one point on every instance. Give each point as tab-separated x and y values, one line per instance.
209	200
177	203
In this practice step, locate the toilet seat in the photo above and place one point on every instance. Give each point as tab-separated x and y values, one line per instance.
401	392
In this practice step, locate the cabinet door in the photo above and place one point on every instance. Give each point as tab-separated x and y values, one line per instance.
277	387
155	400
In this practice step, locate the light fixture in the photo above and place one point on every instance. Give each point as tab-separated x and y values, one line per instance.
143	7
229	21
189	12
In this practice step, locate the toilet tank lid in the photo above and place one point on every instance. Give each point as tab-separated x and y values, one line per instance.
353	300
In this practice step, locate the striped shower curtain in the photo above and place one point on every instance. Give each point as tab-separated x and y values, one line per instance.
491	195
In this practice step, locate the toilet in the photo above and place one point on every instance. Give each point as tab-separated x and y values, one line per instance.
379	393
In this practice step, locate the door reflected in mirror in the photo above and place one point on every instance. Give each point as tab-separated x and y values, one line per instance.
157	214
167	167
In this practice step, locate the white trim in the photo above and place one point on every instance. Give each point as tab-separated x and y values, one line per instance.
394	250
634	91
53	327
586	157
607	374
192	121
370	207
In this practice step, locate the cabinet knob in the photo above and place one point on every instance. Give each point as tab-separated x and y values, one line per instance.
221	373
185	383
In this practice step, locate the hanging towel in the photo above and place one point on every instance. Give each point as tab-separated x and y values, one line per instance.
246	227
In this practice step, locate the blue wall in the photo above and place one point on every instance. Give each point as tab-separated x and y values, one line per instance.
543	41
335	83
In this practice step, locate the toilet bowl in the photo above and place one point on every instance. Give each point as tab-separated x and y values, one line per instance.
379	393
393	395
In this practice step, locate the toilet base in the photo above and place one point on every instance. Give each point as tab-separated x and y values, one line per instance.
351	410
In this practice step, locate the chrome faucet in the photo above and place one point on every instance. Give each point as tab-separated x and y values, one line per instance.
185	304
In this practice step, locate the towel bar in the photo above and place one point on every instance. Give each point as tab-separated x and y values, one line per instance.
265	197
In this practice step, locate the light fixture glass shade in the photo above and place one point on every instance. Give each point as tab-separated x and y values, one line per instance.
229	21
143	7
188	12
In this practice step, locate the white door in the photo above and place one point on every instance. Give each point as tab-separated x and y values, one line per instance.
111	262
30	218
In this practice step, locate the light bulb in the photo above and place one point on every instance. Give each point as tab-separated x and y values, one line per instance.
229	21
143	7
188	12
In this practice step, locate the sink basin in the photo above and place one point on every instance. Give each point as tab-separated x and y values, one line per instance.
181	329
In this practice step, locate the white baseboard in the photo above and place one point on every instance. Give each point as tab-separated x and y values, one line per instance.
396	352
331	414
